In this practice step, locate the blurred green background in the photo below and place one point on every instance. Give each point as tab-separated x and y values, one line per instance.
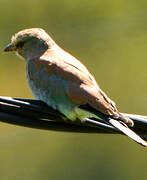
110	37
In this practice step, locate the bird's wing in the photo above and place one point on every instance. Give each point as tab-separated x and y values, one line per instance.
82	88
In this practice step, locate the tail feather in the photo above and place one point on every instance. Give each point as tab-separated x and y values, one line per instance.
127	132
126	120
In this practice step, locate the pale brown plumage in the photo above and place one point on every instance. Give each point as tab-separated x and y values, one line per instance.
83	88
50	68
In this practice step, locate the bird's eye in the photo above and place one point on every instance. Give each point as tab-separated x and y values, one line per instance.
20	44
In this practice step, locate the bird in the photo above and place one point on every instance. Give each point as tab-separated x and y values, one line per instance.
65	84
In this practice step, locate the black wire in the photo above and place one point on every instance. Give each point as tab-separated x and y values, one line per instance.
36	114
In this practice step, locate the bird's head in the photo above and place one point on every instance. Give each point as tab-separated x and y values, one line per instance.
30	43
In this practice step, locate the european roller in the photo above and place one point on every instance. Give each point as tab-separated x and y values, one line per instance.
64	83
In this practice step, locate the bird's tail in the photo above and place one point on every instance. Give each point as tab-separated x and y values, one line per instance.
23	108
126	120
117	126
127	131
120	123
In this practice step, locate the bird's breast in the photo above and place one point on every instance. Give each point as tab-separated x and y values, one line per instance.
49	88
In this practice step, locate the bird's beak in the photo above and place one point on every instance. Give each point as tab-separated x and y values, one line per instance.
10	47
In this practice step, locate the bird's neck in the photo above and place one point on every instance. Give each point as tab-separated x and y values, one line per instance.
34	49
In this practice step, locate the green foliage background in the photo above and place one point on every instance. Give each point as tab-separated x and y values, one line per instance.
110	37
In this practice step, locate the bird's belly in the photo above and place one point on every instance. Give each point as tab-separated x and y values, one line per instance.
52	90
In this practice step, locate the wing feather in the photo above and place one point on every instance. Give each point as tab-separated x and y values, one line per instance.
82	88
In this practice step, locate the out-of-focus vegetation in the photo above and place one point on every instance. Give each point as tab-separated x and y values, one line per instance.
110	37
